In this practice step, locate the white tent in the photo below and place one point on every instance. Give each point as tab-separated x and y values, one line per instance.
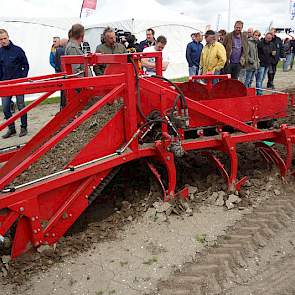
137	16
32	28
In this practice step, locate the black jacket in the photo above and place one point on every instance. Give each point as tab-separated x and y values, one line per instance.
278	44
265	53
145	43
60	51
13	62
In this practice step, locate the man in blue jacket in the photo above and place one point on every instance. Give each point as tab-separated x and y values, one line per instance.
13	65
193	53
55	45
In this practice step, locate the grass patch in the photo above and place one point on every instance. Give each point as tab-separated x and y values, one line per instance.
151	261
123	263
280	65
201	238
50	100
181	79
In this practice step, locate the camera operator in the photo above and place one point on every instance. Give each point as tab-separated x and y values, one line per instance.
109	46
132	45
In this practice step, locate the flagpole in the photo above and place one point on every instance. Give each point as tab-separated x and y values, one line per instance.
82	8
229	15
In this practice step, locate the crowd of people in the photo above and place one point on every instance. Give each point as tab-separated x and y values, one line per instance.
244	55
110	44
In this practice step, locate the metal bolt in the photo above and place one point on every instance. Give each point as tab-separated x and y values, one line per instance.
124	159
168	158
53	235
232	148
33	218
70	215
86	196
21	209
34	231
288	139
39	229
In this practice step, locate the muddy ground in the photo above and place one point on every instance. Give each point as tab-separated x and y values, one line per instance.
125	243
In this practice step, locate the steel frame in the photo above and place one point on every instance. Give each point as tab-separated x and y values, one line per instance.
43	210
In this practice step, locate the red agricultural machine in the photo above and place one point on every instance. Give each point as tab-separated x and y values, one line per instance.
188	116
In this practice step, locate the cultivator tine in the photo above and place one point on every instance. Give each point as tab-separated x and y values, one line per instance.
159	178
232	183
218	165
265	155
167	159
273	156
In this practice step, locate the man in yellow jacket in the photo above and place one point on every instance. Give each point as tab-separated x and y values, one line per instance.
213	57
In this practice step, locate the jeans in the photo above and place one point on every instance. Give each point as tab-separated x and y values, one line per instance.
193	71
63	99
242	75
287	63
20	102
261	74
214	81
250	77
234	70
292	60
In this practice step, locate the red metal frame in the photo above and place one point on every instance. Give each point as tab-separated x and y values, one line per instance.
44	210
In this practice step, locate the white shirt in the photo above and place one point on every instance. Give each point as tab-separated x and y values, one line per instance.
165	58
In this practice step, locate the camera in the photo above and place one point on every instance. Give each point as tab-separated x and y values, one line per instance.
86	47
122	36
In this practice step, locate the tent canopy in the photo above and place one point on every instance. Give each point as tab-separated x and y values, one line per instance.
32	27
34	36
148	11
136	17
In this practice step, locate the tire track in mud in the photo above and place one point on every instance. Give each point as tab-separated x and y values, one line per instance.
221	264
277	278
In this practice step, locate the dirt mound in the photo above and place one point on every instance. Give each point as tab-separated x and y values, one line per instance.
61	154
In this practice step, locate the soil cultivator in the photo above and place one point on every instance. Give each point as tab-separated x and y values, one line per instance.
158	121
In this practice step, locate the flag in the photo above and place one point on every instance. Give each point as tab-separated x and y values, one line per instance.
292	9
88	7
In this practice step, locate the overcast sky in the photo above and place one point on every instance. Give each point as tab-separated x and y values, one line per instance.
257	14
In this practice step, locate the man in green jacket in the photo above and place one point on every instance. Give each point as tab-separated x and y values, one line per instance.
109	46
73	47
252	65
